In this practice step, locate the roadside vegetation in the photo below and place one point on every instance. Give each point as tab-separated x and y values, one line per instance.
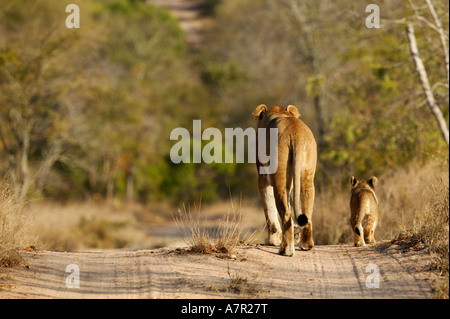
221	237
431	231
13	234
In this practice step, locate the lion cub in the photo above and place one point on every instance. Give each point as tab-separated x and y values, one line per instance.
364	208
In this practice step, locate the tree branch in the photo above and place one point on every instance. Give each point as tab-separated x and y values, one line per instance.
441	32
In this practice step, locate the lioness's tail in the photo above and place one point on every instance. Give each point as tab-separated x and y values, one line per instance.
302	219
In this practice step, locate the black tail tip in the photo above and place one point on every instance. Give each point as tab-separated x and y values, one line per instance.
357	231
302	220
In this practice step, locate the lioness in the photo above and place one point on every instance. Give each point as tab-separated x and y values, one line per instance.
297	158
364	208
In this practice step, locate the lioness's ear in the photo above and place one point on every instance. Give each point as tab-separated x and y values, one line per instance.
293	110
353	181
260	111
373	181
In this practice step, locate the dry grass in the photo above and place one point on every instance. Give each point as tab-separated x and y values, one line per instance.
87	225
101	225
13	234
403	195
331	218
226	234
243	285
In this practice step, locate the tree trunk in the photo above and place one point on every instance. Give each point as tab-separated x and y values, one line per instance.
26	178
129	188
320	121
420	68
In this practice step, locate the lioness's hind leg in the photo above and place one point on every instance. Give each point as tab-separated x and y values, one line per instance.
287	240
307	194
270	212
297	228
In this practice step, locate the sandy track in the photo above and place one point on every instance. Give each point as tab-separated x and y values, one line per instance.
190	15
335	271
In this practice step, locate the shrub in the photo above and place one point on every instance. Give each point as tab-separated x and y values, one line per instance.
432	232
12	227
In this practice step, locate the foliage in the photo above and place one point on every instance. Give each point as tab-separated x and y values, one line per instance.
354	86
88	112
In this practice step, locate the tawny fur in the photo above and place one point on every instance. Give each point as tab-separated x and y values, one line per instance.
364	210
297	158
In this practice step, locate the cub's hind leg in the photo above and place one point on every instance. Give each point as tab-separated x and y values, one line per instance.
358	233
369	230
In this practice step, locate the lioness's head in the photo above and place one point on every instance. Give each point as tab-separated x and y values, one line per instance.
363	183
261	112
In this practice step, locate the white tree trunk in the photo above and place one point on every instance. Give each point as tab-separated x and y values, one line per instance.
420	68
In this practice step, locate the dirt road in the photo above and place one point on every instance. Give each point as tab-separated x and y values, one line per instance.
335	271
191	15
